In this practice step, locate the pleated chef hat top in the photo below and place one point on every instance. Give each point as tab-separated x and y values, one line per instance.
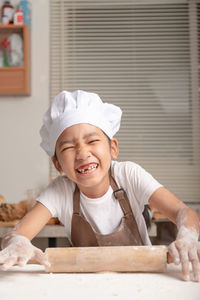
68	109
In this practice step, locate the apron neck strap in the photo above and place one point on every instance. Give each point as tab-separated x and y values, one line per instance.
119	194
76	201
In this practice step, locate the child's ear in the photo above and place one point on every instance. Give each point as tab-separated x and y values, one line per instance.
56	164
114	148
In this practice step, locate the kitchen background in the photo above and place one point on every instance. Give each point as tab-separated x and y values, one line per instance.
141	55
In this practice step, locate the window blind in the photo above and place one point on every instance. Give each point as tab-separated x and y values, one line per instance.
142	56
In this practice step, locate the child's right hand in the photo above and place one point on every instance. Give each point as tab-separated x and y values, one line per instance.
19	251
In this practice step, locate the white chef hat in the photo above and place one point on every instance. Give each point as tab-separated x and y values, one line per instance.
68	109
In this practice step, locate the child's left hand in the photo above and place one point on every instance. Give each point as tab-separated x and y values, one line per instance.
186	249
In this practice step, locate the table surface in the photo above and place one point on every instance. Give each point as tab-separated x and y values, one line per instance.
31	282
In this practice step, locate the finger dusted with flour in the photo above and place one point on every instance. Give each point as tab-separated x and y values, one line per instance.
19	251
186	248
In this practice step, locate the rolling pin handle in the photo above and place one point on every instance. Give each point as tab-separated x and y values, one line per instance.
169	258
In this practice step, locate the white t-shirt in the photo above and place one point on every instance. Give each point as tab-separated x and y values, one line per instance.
104	214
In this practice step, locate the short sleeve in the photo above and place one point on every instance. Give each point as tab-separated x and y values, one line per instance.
139	183
144	185
53	196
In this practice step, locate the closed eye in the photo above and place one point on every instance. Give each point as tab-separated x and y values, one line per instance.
93	141
67	148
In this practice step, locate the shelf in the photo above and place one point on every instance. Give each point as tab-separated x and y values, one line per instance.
16	80
5	69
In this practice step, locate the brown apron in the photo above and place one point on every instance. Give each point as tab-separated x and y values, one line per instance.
127	233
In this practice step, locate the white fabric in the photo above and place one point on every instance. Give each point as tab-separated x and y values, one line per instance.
68	109
104	214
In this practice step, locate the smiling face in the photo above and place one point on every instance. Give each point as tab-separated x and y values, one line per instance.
84	154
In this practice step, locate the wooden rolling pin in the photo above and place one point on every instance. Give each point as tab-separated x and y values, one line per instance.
108	259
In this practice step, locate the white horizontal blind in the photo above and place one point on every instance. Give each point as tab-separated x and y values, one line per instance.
136	54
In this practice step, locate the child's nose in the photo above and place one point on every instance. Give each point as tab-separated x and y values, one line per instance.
82	153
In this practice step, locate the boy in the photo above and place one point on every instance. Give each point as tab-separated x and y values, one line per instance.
100	201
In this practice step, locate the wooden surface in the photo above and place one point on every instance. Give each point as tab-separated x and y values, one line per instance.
112	259
48	231
31	282
8	223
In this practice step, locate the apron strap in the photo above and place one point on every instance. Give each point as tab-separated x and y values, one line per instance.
121	196
76	201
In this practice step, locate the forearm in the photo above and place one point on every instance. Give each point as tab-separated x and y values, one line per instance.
30	225
187	219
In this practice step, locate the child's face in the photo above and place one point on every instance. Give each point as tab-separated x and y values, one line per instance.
84	154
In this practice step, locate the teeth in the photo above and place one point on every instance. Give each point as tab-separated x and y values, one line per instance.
87	170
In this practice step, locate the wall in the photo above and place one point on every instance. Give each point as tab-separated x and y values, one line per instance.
23	164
